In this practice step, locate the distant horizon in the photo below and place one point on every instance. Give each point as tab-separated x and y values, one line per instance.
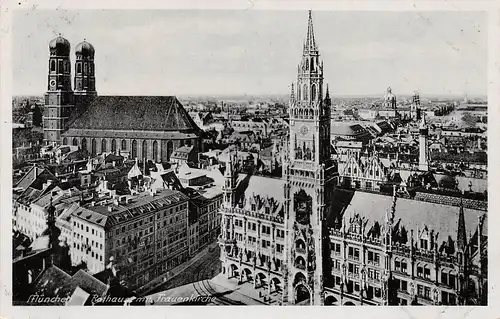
227	96
252	52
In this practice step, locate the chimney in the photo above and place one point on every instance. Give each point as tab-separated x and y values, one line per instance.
114	163
92	203
110	208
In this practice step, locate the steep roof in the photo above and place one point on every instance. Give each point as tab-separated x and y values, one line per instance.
141	113
413	214
35	177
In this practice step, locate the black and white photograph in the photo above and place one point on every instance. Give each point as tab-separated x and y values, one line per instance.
232	157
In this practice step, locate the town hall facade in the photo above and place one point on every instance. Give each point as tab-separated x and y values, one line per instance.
302	239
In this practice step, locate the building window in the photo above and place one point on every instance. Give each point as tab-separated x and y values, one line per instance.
420	290
427	273
279	248
403	266
124	145
420	271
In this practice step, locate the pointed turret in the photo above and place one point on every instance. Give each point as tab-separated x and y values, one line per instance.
52	231
327	101
310	43
292	94
461	232
229	182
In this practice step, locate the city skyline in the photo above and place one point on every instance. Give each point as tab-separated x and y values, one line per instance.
436	53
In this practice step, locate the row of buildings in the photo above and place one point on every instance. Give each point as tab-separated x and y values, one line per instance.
108	209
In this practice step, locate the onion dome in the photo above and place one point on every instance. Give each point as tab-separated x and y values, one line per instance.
85	49
59	46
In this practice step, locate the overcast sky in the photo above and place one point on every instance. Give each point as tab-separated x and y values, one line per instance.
191	52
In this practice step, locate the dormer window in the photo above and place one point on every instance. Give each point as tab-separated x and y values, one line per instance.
268	210
253	207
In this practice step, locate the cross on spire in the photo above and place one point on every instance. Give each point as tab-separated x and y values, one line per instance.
310	44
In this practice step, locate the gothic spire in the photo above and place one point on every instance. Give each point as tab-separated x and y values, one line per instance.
461	233
292	93
310	44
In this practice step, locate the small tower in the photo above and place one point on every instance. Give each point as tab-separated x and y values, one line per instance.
415	107
390	99
59	95
85	91
327	101
229	183
423	159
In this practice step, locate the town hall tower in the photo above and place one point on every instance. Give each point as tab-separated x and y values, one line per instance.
310	176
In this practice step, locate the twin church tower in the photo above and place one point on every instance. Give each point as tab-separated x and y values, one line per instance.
62	103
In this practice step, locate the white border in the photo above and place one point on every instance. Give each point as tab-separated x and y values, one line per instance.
492	311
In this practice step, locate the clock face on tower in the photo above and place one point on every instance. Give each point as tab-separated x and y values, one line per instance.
52	84
304	130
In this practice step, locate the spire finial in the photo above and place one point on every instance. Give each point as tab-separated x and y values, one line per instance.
310	44
292	94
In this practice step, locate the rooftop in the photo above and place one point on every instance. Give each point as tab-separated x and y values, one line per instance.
139	113
109	212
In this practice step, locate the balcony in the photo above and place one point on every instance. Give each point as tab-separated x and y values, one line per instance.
300	250
300	266
335	253
353	275
373	262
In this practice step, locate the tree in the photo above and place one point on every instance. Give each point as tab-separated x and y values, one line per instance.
448	182
469	119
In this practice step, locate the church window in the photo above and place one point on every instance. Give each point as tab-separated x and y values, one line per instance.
94	146
84	144
313	92
124	145
305	92
170	149
155	150
307	64
144	149
85	67
65	141
104	146
52	65
134	149
113	145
